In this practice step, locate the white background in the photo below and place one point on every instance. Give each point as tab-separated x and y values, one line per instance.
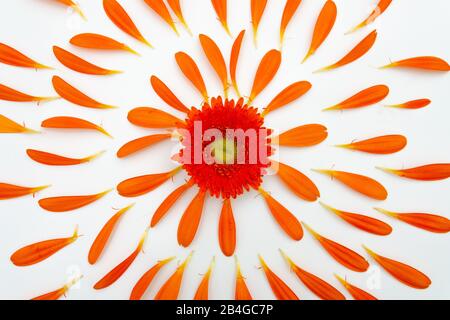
408	28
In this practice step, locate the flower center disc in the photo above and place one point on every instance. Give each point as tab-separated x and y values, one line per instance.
226	147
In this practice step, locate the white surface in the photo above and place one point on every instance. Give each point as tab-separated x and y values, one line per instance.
408	28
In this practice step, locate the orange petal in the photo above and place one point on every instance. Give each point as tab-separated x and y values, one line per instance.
75	63
319	287
423	63
241	290
10	94
74	6
216	60
303	136
234	58
11	56
359	183
297	182
120	269
55	295
170	289
363	98
414	104
69	203
402	272
324	24
141	143
160	8
71	123
279	288
165	206
288	95
362	222
346	257
102	238
122	20
40	251
357	52
430	172
153	118
266	72
176	8
378	11
356	293
9	191
289	11
202	292
227	229
71	94
187	228
144	282
283	216
57	160
100	42
220	6
380	145
257	11
141	185
191	71
426	221
167	95
9	126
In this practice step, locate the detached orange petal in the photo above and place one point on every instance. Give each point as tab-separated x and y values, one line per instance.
10	191
288	95
324	24
57	160
430	172
202	292
176	8
55	295
297	182
303	136
191	71
10	94
357	52
141	143
141	185
287	221
9	126
11	56
343	255
402	272
425	221
234	58
144	282
40	251
379	145
414	104
72	123
355	292
167	95
160	9
120	269
257	10
241	290
99	42
359	183
267	70
216	60
122	20
288	12
378	11
227	229
362	222
279	288
170	289
363	98
69	203
103	236
319	287
153	118
187	228
220	6
74	6
429	63
71	94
